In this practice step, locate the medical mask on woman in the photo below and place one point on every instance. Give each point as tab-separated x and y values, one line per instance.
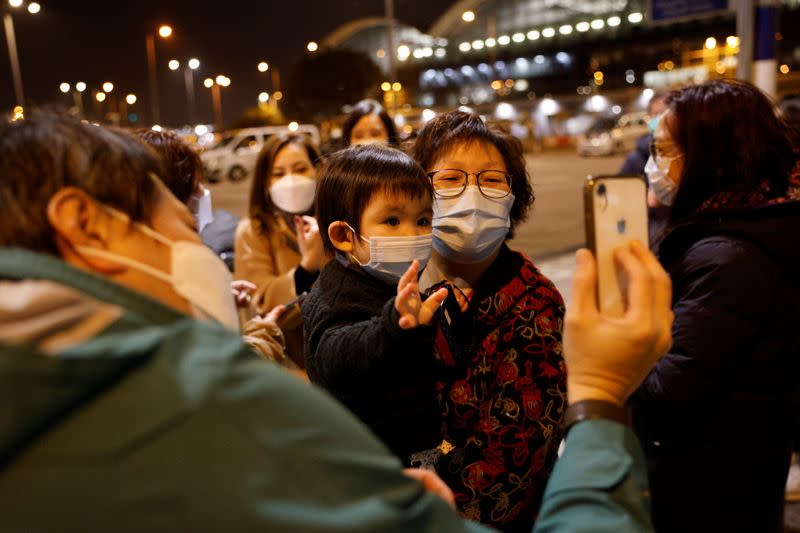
293	193
469	228
200	207
658	175
196	274
390	257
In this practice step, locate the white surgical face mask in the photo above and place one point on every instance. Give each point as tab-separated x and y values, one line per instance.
196	274
293	193
469	228
390	257
200	206
658	176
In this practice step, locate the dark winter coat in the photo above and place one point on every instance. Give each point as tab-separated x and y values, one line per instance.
357	351
716	413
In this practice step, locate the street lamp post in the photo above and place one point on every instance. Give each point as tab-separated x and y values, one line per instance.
150	43
11	41
77	95
390	23
216	96
188	79
129	100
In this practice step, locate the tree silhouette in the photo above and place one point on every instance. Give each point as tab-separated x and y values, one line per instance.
320	84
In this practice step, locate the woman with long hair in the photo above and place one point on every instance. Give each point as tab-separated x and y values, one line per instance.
715	415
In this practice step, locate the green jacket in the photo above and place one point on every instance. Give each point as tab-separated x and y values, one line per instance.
119	414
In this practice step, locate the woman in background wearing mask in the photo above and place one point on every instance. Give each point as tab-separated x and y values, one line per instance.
278	248
502	381
715	415
367	123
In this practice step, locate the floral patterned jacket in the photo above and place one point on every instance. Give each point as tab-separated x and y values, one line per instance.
502	406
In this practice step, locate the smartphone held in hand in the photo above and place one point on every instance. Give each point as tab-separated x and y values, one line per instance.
615	209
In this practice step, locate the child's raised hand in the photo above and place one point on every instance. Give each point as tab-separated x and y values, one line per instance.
413	311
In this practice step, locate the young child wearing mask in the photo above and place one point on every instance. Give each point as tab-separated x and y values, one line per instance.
368	334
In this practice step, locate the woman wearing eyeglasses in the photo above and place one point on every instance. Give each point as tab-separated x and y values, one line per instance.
502	385
716	416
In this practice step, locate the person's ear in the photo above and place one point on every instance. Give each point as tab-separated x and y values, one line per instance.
341	236
78	221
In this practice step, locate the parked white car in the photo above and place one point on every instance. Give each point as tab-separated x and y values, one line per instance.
234	156
609	135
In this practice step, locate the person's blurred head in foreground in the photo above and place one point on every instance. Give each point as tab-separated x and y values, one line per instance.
93	197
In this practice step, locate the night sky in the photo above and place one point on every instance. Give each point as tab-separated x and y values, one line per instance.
96	41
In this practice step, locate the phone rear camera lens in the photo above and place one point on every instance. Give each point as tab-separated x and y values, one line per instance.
601	190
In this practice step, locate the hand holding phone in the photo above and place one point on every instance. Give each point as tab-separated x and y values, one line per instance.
615	210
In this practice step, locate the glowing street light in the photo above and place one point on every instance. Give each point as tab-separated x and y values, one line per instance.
386	86
64	87
403	51
194	63
165	32
33	8
468	16
108	86
293	126
174	64
711	43
130	99
263	66
216	95
263	98
397	87
101	97
80	86
732	41
312	46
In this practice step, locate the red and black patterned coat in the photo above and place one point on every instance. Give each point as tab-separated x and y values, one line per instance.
502	408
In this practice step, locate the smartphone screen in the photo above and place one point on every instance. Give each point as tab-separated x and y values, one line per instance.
616	212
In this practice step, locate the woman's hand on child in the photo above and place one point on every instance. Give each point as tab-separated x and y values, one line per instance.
413	311
243	292
312	255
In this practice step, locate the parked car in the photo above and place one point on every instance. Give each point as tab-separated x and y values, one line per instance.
234	155
610	135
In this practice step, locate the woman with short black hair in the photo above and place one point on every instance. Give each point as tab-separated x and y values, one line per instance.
502	383
715	415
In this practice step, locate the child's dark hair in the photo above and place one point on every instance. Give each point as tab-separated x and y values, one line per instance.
351	177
